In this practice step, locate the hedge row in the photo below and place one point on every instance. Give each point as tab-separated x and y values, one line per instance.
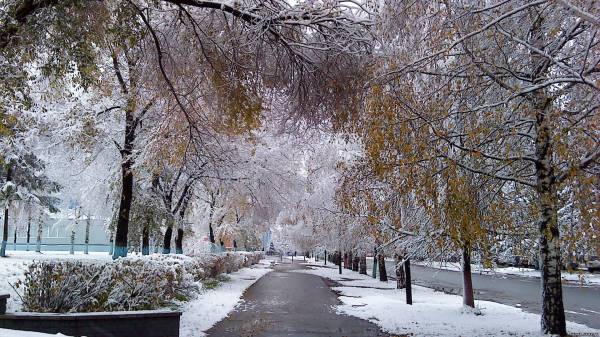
132	283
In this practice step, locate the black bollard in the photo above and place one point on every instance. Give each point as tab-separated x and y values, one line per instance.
408	287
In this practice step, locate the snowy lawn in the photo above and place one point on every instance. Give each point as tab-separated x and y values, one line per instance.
580	277
13	267
212	305
432	313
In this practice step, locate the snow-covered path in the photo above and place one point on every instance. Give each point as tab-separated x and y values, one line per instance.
213	305
286	303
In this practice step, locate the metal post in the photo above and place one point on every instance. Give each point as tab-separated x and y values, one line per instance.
408	286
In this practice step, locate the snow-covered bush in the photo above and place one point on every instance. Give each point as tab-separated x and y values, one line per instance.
141	284
132	283
64	287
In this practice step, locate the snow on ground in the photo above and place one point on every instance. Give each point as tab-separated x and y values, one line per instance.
13	267
19	333
300	259
211	306
432	313
580	277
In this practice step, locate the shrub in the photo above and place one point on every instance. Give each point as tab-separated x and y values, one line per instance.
132	283
64	287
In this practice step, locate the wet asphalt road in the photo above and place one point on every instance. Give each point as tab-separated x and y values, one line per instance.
582	304
285	303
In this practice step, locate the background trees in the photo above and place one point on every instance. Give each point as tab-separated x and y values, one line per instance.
467	127
510	95
232	63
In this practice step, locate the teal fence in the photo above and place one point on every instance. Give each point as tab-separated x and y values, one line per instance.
58	247
96	247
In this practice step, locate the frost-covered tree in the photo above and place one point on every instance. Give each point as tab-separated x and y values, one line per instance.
506	91
198	54
23	179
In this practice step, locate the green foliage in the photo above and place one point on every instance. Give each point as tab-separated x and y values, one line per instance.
213	283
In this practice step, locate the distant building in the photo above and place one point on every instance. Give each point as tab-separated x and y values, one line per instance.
56	233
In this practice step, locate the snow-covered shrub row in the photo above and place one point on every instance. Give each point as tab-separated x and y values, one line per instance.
132	283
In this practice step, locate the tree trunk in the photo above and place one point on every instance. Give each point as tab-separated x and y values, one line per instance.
355	263
126	185
111	245
362	266
374	271
468	299
553	313
146	240
87	235
28	237
5	231
211	234
15	238
339	262
167	240
179	241
400	277
38	240
120	249
349	261
382	271
72	251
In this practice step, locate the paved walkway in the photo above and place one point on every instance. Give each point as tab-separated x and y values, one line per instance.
285	303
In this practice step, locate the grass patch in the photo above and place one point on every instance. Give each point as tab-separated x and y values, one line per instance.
212	283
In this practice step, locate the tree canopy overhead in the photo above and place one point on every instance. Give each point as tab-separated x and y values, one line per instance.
436	129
